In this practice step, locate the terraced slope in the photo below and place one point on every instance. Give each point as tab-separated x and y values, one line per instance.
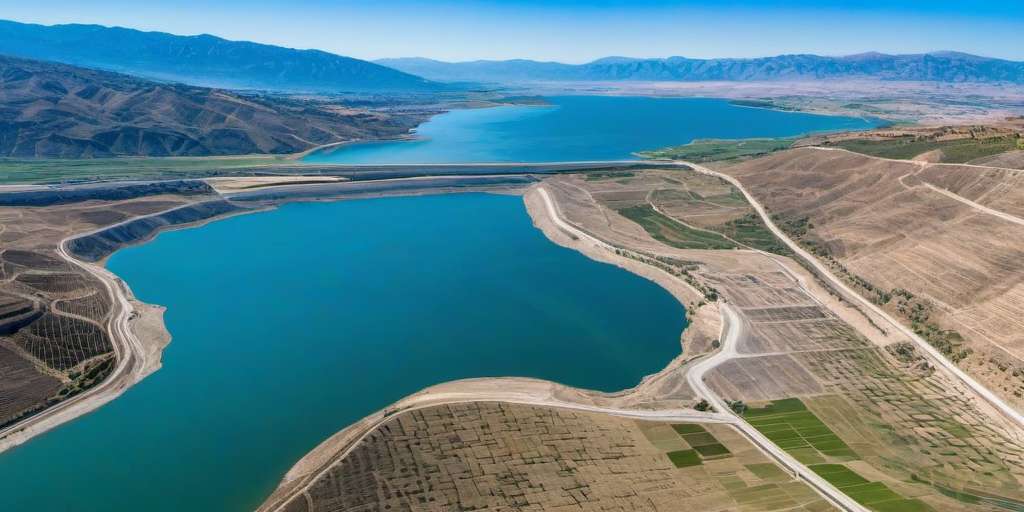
54	317
936	244
493	456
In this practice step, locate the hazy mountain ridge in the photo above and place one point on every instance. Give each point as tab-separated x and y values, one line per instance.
202	60
57	110
930	67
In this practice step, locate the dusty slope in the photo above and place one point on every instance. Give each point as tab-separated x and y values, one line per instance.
899	232
56	110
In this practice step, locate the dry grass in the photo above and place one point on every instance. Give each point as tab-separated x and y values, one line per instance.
950	271
53	315
903	419
488	456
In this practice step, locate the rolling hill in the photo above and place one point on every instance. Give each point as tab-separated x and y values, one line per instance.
203	60
56	110
931	67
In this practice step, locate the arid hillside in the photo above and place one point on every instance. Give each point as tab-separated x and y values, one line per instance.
936	244
55	110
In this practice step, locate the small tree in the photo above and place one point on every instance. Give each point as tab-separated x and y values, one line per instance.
738	407
703	406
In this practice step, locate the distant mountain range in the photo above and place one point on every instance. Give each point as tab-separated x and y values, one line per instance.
49	109
203	60
930	67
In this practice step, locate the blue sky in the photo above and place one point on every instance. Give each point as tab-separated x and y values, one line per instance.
567	30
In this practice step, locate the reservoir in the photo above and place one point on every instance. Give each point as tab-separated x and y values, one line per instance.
291	324
581	128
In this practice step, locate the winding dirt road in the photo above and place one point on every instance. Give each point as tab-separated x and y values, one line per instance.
132	361
990	397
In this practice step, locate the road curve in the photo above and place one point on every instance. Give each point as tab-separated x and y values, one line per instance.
128	352
733	329
381	417
990	397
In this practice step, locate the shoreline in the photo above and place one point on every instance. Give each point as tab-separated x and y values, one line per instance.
650	398
139	353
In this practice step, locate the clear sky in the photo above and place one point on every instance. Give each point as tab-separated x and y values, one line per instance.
566	30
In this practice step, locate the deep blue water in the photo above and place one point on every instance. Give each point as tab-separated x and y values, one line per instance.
289	325
576	128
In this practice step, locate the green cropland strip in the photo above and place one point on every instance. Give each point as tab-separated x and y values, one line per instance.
685	458
794	428
106	169
706	444
720	208
710	150
673	233
953	151
790	425
495	456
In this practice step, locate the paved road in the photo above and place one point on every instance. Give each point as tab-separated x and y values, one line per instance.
128	352
824	272
733	330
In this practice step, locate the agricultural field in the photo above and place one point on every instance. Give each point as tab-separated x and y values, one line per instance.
53	315
522	457
949	151
897	233
864	402
872	403
673	232
685	210
713	150
791	426
44	170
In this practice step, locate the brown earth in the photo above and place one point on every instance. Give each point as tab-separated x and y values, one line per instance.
494	456
56	110
908	236
54	317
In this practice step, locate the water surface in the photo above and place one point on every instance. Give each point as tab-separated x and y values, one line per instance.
289	325
579	128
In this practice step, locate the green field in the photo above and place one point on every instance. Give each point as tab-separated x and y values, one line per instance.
874	495
673	233
954	151
750	230
789	424
67	170
710	150
794	428
702	441
688	428
685	458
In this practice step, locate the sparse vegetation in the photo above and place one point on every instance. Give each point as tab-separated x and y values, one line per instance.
710	150
953	151
605	175
750	230
50	170
671	232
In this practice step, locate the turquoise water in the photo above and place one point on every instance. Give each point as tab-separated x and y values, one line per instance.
289	325
578	128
